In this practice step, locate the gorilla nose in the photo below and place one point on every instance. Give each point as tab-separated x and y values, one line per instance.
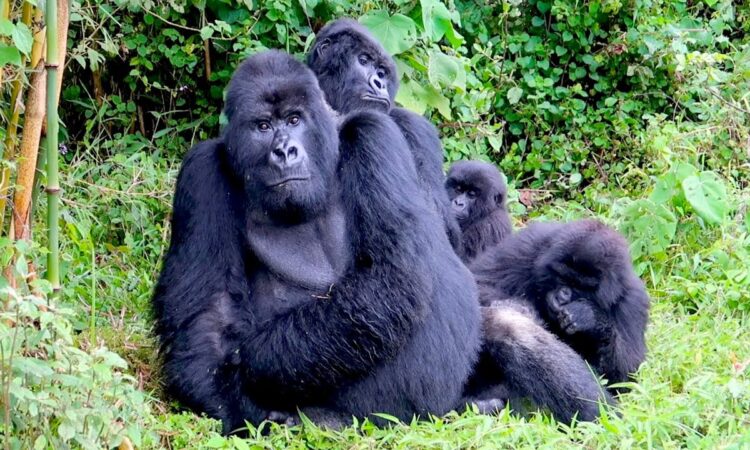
458	204
286	155
378	85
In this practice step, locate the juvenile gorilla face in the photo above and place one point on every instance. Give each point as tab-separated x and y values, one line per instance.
353	69
476	190
281	139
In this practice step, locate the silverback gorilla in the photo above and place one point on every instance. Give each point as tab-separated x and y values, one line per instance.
355	72
576	277
306	267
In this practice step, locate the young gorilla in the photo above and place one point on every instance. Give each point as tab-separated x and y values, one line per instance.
478	194
355	72
306	270
576	277
579	278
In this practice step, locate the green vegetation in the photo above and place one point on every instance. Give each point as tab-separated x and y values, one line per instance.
636	112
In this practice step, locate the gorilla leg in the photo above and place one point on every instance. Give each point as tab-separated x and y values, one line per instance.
535	364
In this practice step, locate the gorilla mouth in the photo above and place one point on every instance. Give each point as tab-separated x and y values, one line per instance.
282	182
377	98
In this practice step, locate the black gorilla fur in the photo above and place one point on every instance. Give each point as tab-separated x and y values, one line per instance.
579	278
298	276
355	72
478	196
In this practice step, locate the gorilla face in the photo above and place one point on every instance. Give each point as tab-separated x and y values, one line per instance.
279	140
476	190
354	70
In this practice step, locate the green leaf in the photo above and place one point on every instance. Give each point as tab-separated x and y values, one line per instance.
206	33
445	71
6	27
40	443
436	19
437	100
216	442
9	55
707	195
66	430
514	95
397	33
411	96
22	38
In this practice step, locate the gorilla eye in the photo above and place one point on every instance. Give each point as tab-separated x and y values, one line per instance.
472	194
364	59
264	126
382	72
293	119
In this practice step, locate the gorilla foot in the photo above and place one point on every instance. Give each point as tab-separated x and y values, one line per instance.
490	406
283	418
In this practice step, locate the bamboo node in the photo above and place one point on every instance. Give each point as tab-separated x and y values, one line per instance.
51	65
52	190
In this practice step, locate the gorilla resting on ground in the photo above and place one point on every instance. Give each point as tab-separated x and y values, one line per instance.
576	277
306	268
579	278
478	194
355	72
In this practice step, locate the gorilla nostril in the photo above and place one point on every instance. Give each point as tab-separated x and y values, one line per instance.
291	153
279	154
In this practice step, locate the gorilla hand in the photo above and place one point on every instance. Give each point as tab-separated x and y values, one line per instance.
577	315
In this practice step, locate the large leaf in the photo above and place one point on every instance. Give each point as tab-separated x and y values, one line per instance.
397	33
9	55
707	195
438	22
446	71
22	38
411	96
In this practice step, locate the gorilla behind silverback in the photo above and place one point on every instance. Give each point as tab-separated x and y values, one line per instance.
355	72
576	277
305	267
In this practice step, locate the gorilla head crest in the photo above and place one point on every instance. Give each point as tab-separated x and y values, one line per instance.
280	141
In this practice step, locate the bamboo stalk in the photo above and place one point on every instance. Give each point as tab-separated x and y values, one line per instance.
63	20
32	132
15	107
5	14
53	184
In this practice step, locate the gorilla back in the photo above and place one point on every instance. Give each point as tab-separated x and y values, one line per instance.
306	268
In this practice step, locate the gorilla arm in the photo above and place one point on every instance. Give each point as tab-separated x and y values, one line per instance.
322	344
427	151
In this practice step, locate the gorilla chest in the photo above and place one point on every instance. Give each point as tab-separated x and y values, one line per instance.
296	263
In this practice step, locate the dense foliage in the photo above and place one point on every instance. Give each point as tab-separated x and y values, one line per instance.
636	112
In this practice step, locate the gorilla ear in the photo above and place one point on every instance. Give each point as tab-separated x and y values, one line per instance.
499	198
323	46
